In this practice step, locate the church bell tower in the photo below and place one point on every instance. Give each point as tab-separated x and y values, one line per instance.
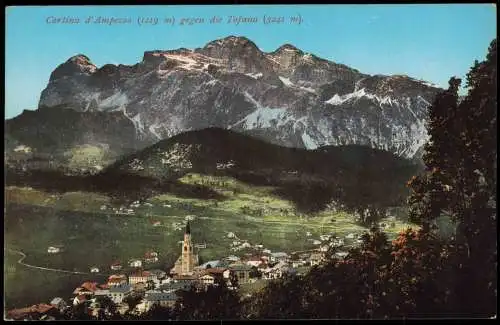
187	253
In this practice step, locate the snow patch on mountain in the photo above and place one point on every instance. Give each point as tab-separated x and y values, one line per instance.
91	98
254	75
152	129
360	93
171	92
309	142
117	99
139	126
263	117
286	81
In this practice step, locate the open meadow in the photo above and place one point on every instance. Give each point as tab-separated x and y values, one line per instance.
96	231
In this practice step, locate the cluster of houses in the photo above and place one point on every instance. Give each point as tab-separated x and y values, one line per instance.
159	287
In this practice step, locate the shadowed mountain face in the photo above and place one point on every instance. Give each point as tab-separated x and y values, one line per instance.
354	176
60	137
286	97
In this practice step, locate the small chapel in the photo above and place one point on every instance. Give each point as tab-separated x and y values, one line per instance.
188	260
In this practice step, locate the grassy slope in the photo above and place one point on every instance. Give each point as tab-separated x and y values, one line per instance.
78	216
95	237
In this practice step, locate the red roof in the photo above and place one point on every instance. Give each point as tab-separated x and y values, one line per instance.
116	264
215	270
39	308
90	286
184	277
114	277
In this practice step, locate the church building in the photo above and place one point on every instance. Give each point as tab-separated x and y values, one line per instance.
188	260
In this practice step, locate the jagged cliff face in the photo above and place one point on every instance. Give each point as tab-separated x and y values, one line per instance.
286	97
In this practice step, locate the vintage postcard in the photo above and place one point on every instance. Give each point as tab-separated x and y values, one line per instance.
250	162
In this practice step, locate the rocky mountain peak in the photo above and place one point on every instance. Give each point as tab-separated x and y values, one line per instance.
288	47
77	64
287	97
80	59
397	84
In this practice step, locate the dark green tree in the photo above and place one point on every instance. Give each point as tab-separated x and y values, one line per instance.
460	181
216	302
158	312
255	273
132	301
107	306
150	285
233	280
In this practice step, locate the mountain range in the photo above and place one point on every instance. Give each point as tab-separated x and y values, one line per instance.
286	97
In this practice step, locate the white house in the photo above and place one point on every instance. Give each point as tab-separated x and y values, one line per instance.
297	263
79	299
324	237
254	261
266	251
207	279
59	303
165	299
94	269
117	280
245	245
279	256
141	277
53	250
22	148
338	242
101	292
151	257
118	293
341	254
116	266
274	272
232	258
135	263
231	235
324	248
316	258
350	236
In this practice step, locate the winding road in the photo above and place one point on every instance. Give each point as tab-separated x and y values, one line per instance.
23	256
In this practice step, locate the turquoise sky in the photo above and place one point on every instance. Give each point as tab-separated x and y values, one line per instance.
431	42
